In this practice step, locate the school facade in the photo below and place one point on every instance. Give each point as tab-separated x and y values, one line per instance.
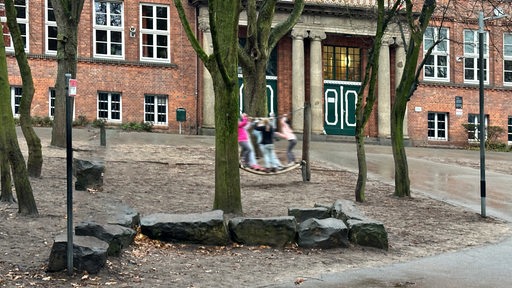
136	64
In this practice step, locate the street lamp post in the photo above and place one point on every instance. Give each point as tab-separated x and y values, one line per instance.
498	13
482	114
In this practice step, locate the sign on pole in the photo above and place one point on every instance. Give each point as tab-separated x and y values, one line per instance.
72	87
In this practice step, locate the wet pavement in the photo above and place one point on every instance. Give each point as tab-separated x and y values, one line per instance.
487	266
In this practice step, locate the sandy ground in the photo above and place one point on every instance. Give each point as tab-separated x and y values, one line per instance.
178	178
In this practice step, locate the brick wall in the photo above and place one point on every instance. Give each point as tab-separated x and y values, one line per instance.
130	77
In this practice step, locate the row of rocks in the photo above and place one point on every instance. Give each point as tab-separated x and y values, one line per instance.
323	226
318	227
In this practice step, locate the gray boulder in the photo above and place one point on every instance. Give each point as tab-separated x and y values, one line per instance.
302	214
368	233
117	236
323	233
272	231
89	254
89	174
345	210
197	228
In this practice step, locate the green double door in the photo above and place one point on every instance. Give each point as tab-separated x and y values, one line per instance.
340	99
271	94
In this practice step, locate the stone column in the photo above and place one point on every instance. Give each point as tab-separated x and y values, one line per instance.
399	70
298	81
208	93
316	81
384	96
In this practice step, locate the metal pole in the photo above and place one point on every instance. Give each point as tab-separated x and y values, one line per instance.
482	114
69	166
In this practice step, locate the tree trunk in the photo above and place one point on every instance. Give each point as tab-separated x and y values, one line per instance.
227	173
255	90
402	181
8	136
35	154
362	175
67	15
5	176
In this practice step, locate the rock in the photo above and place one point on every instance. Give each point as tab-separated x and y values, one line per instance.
368	233
89	174
345	210
117	236
272	231
198	228
302	214
89	254
323	233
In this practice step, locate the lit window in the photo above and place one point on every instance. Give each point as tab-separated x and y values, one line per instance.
109	106
51	29
108	29
471	55
437	126
341	63
155	109
154	32
22	19
436	65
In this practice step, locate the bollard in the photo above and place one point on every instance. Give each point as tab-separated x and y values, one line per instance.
103	136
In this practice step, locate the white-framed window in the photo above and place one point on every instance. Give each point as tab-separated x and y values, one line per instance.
437	126
471	55
109	106
474	129
16	93
22	19
51	29
507	58
155	109
51	102
437	64
154	31
108	29
509	129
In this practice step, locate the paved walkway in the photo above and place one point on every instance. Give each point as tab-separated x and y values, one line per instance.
487	266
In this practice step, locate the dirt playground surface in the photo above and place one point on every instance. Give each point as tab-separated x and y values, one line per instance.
179	178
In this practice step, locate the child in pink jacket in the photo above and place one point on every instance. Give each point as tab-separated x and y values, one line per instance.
286	132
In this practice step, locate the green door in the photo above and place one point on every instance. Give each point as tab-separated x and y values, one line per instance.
340	99
271	94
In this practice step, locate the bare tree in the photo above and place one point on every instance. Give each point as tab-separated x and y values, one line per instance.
222	65
261	38
9	143
67	16
35	154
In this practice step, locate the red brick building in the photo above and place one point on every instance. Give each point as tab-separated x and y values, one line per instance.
134	62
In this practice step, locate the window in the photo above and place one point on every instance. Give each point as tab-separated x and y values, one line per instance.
436	65
507	58
51	102
22	18
108	29
155	109
474	127
154	32
109	106
341	63
51	29
471	63
509	128
437	123
16	93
